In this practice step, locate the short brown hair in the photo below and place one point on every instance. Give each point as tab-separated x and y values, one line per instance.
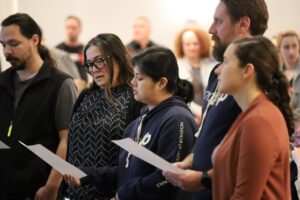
203	38
75	18
256	10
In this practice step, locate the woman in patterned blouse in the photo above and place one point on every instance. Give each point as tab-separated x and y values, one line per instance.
101	112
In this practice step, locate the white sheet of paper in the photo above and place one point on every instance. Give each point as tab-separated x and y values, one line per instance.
3	145
147	155
54	161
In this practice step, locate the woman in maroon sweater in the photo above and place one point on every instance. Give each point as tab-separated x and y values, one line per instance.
252	161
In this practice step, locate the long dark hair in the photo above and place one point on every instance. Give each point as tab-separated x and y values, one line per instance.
113	50
261	52
28	27
158	62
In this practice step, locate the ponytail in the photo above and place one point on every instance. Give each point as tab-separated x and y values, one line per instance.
262	53
278	94
185	90
45	55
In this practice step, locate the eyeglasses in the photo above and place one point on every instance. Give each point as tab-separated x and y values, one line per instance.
99	63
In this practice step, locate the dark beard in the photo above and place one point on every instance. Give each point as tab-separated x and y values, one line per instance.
218	52
218	49
15	63
21	66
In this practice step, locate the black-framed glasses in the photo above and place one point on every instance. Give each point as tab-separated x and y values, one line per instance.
99	63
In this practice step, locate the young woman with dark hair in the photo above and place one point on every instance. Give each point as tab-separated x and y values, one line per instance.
166	127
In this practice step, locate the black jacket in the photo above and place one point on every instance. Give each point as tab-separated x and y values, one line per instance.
33	121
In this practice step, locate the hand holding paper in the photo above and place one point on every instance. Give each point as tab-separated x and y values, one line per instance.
147	155
71	180
54	161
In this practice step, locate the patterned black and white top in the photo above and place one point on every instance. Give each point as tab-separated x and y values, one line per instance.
94	123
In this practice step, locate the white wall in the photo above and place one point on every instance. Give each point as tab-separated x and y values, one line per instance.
116	16
284	14
6	8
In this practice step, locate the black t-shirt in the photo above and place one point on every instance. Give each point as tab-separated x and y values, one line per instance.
76	55
20	87
134	47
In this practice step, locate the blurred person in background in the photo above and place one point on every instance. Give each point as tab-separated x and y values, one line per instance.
74	47
193	51
141	31
289	45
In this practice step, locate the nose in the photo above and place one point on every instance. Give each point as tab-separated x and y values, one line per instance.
93	69
218	70
291	50
212	29
133	81
7	50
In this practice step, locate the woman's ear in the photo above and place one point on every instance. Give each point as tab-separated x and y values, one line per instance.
249	71
162	84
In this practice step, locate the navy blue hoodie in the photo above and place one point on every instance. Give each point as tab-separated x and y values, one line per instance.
168	130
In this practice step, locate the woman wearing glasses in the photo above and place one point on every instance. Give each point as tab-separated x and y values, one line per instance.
101	112
166	127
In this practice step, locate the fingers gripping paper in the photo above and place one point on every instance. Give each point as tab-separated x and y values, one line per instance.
62	166
147	155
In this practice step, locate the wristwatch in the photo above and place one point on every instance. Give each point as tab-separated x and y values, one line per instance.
206	180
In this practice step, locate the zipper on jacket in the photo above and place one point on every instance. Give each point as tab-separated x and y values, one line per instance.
10	129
